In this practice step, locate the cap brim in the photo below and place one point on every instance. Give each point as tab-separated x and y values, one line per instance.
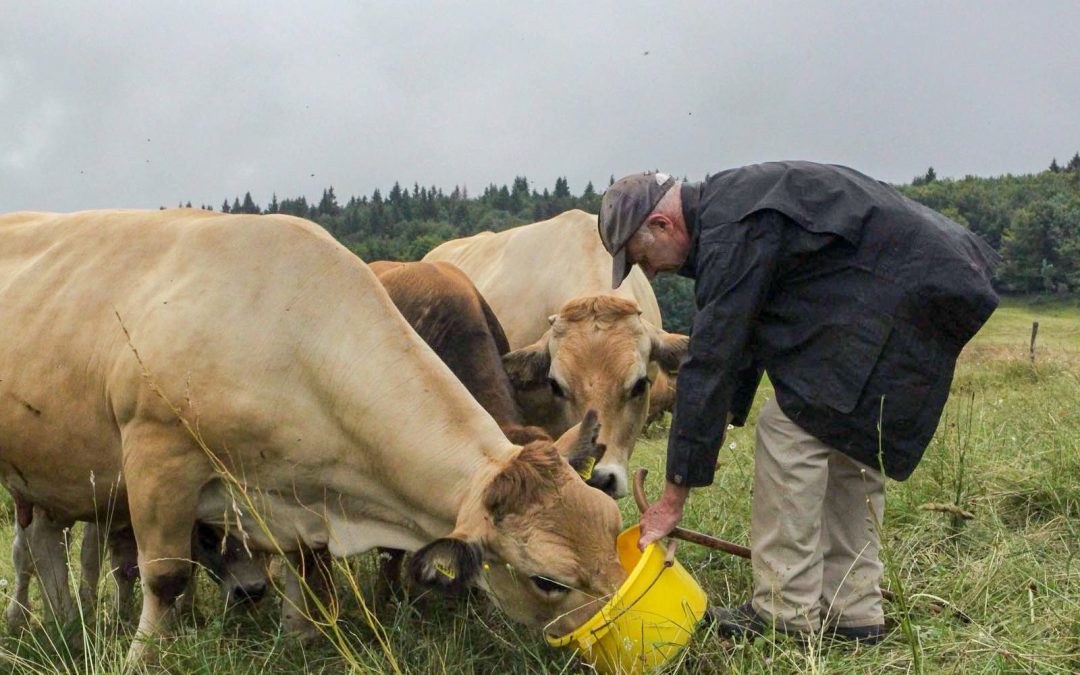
619	267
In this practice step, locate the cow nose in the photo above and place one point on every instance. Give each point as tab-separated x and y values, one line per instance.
249	594
609	479
606	481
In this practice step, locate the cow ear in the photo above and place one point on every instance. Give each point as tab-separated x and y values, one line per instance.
528	367
449	564
579	445
668	349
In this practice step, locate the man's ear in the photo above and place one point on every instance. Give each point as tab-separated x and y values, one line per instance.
668	349
449	564
528	367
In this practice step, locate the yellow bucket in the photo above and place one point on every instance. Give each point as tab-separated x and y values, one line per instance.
649	618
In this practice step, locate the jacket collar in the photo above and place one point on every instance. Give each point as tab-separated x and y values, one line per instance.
691	199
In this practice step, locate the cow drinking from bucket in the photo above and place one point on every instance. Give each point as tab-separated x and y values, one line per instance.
250	372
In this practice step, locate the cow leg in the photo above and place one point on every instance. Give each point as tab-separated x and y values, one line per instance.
49	553
90	562
308	573
17	613
164	475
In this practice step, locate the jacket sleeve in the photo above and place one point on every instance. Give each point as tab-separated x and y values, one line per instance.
736	263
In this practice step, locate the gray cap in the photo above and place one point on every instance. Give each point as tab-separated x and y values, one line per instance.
624	208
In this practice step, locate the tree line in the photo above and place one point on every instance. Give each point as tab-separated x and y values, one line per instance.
1032	220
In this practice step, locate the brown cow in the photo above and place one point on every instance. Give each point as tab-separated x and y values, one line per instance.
451	316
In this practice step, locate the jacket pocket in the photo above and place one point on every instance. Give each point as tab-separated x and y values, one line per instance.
832	362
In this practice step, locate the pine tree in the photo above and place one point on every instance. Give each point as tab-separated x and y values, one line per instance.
328	205
562	188
395	195
1074	163
249	205
225	206
1054	167
519	194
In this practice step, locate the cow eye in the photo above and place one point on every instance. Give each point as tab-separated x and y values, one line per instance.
556	390
546	585
639	388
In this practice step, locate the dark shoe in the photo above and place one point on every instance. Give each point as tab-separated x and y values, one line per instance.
735	622
867	635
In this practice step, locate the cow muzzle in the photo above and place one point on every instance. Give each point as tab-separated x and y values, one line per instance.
610	479
249	594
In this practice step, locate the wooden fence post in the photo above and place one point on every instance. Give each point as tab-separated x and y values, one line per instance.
1034	332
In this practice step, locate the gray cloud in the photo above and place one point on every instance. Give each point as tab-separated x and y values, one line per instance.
114	104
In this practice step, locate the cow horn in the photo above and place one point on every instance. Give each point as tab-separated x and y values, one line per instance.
587	451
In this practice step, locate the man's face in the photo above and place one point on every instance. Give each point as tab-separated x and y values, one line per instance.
662	248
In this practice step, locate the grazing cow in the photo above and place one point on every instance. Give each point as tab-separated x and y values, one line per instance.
41	546
251	373
578	344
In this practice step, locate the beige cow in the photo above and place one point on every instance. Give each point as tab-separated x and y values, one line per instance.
578	344
279	349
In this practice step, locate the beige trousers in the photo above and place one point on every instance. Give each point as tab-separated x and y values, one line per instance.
815	543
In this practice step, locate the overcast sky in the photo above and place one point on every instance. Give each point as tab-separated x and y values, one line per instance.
126	104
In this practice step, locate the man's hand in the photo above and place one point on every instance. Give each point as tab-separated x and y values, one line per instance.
661	518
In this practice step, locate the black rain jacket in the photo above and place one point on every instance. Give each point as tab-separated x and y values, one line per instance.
853	298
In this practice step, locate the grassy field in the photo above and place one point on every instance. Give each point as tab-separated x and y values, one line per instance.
1008	450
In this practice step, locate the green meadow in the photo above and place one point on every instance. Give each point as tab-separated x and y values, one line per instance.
998	592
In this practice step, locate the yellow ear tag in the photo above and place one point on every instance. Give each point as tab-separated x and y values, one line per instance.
445	571
586	471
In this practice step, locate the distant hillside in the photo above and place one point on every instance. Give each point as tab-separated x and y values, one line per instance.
1032	220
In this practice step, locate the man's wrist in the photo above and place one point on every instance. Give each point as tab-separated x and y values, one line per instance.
675	495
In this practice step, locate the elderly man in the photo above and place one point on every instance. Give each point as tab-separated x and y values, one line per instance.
856	301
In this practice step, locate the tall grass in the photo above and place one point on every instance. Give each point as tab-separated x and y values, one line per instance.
1008	451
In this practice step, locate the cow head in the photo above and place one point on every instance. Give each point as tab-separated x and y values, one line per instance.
240	574
598	354
535	537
